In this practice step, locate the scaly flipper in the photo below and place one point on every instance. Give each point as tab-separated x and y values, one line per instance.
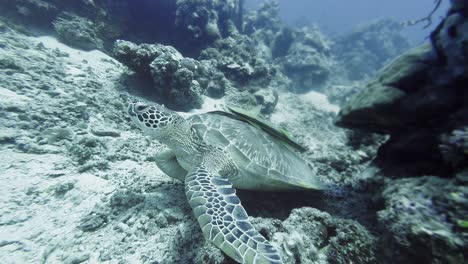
223	219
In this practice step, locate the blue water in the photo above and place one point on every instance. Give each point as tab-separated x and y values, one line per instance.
340	16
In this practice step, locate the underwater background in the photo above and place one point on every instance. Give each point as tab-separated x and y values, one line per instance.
375	91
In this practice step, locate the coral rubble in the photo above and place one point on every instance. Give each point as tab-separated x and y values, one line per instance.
80	183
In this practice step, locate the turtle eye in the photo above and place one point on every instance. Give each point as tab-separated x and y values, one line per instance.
140	107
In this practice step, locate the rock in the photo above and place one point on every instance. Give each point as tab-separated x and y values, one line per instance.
125	199
304	55
245	100
306	67
420	220
242	61
7	136
84	148
369	47
266	17
174	77
77	32
200	23
317	235
210	254
63	187
139	57
268	99
54	135
417	99
77	258
450	42
98	164
341	94
259	102
374	108
454	147
91	222
36	12
178	80
105	132
282	42
246	58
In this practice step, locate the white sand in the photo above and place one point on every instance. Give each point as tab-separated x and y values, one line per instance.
320	101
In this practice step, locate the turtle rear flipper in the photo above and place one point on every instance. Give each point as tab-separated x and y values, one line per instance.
223	219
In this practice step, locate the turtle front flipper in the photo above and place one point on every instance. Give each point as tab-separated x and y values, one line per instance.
166	161
223	219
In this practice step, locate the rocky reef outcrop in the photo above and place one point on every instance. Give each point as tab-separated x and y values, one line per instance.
416	99
308	60
302	54
202	22
420	100
245	62
78	32
365	50
179	81
424	219
37	12
310	236
189	26
254	51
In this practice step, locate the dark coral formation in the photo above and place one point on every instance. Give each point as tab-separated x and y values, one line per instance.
307	63
420	100
178	80
77	31
454	147
417	99
206	21
312	234
303	54
37	12
423	219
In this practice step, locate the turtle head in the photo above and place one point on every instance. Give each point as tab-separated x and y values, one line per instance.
156	120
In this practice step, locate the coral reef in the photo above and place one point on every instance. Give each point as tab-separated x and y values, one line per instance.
79	182
86	162
313	236
244	62
420	101
36	12
303	54
178	80
307	60
369	47
77	32
404	100
423	217
454	147
206	21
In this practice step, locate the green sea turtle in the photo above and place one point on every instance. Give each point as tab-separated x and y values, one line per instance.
213	153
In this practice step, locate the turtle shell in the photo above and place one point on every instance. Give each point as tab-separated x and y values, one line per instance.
264	161
282	135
